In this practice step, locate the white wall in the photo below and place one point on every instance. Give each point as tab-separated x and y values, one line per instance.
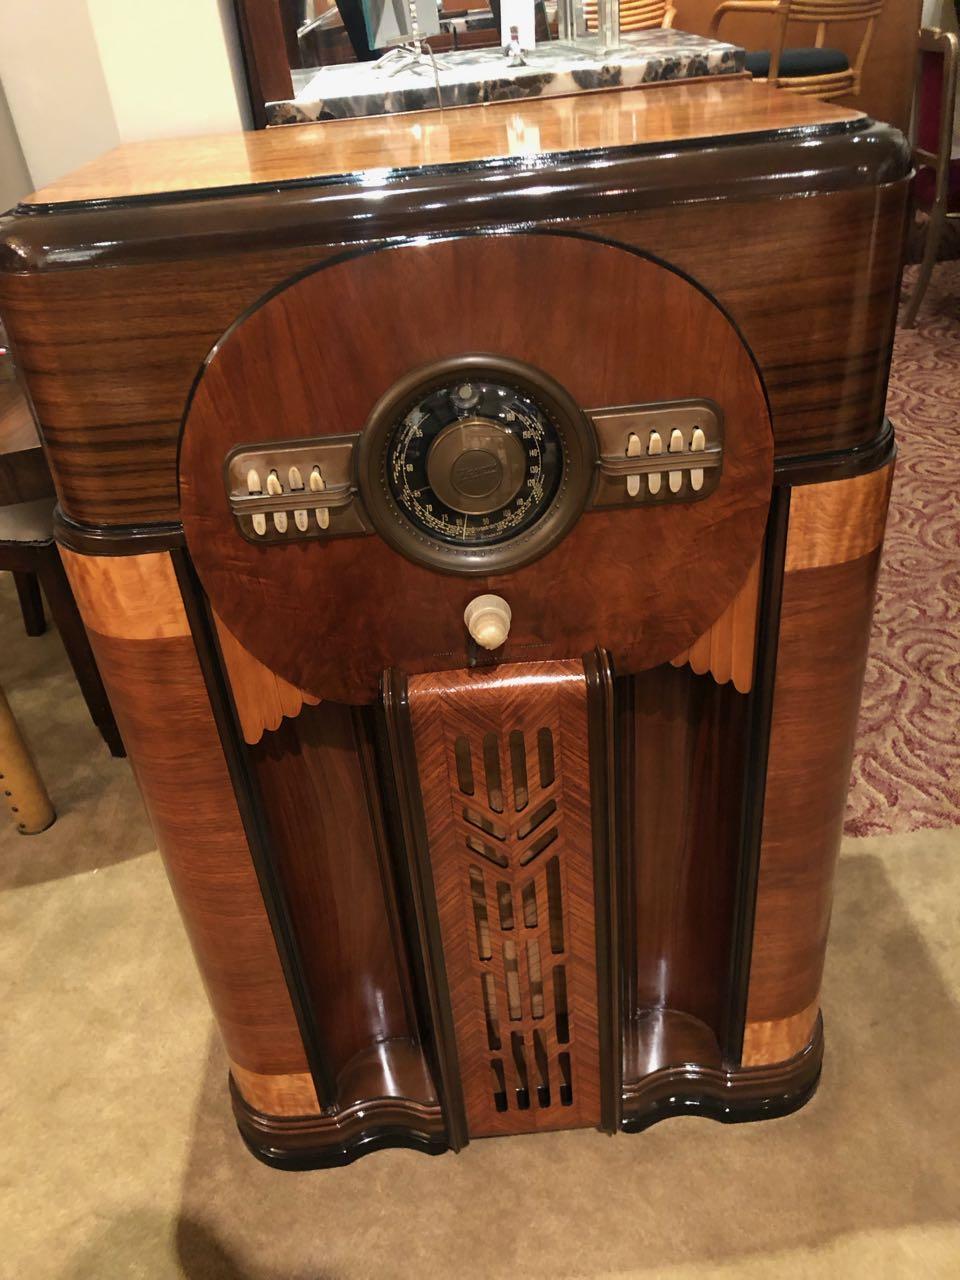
167	67
51	74
14	178
82	75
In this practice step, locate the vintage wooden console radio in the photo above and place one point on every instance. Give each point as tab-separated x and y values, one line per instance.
476	517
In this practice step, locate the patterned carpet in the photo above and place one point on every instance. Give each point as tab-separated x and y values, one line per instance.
906	773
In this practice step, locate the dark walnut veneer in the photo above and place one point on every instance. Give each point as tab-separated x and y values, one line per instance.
437	893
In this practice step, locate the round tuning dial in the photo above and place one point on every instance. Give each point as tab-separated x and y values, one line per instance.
475	464
488	620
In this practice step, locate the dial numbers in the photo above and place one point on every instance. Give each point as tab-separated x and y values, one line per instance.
474	463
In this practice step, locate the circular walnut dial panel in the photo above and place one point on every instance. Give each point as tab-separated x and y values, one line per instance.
456	387
475	464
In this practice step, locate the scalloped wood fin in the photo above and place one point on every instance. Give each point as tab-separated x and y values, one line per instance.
726	650
262	698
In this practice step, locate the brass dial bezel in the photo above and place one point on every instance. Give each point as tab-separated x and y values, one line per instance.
578	442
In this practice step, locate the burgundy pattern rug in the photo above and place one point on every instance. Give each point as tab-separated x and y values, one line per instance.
906	772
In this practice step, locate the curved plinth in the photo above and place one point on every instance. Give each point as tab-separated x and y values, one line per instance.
323	1142
730	1096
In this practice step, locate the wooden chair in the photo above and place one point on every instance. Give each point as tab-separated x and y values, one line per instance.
27	548
936	186
815	69
22	786
635	15
28	551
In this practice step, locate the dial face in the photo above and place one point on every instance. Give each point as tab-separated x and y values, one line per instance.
474	462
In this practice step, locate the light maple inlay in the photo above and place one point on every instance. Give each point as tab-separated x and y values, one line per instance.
726	650
261	697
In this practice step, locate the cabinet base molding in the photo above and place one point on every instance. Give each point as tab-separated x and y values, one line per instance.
728	1095
330	1141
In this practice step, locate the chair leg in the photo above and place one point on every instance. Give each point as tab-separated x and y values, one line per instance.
63	609
931	247
31	603
22	786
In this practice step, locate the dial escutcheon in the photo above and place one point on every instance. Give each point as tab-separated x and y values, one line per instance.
475	464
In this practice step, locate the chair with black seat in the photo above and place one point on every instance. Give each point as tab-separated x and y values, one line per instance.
27	548
816	69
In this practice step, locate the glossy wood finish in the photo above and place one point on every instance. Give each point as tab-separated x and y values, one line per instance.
388	1102
824	633
820	323
682	744
327	845
261	697
685	1084
825	380
726	649
503	767
285	371
181	274
463	135
796	236
834	523
150	668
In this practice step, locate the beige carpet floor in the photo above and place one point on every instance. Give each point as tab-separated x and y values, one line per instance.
120	1159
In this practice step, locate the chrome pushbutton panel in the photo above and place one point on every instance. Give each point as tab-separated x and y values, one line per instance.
657	453
647	454
284	491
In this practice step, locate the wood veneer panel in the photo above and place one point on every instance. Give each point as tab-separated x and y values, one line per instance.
682	740
518	922
127	597
163	711
322	823
287	371
824	634
832	523
779	1039
276	1095
110	400
671	114
811	284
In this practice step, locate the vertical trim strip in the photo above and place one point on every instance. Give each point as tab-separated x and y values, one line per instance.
600	719
250	805
410	805
755	776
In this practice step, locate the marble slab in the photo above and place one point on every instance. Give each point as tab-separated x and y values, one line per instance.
468	77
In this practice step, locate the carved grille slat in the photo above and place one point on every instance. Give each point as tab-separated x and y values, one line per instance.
518	927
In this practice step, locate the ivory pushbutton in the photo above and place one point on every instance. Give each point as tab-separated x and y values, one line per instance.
488	620
634	450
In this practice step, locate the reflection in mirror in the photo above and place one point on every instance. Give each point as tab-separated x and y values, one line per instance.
316	60
321	32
